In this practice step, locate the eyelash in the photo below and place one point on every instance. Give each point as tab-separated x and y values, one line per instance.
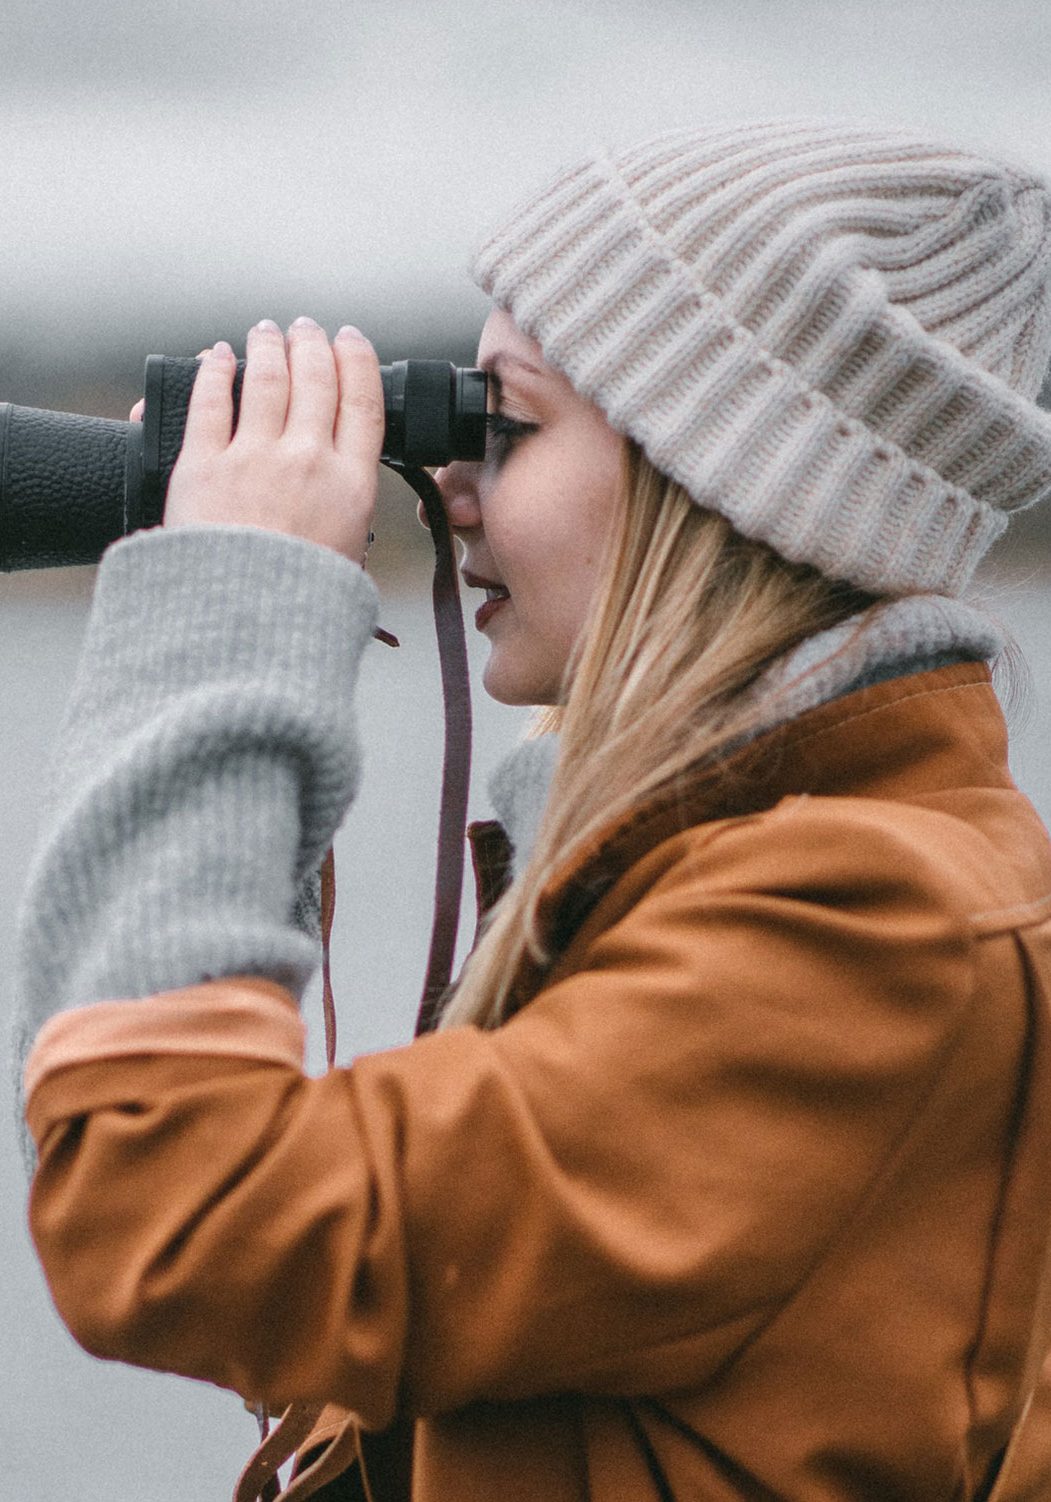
504	433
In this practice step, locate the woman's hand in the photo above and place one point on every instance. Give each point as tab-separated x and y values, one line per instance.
305	457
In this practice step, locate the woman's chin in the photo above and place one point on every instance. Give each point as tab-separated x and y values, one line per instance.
514	683
502	687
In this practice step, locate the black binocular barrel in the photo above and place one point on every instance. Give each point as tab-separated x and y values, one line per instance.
71	485
61	487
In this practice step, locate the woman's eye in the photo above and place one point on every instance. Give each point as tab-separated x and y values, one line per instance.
503	434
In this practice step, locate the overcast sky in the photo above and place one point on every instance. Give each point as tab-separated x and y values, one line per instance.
183	168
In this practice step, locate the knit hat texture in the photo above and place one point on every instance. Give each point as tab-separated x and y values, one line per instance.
832	335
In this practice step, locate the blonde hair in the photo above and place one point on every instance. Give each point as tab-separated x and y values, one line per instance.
687	614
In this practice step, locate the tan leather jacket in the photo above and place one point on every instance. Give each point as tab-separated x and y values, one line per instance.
749	1200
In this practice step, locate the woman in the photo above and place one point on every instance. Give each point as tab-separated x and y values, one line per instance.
727	1172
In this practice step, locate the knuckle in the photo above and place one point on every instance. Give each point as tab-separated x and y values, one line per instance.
268	373
305	451
209	396
365	405
315	365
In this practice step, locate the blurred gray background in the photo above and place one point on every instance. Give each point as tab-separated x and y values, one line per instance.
171	173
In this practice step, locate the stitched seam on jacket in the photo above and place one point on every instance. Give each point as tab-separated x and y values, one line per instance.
993	1241
862	714
1018	907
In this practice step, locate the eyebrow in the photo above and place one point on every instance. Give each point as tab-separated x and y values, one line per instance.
494	362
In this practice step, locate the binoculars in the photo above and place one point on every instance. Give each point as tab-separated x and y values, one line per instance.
71	485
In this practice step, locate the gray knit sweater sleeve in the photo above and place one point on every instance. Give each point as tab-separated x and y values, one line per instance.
207	756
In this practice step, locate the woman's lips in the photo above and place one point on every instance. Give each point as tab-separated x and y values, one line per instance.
496	595
484	612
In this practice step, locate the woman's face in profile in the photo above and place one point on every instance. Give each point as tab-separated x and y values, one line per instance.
534	515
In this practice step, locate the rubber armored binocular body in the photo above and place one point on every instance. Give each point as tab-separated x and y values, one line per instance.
71	485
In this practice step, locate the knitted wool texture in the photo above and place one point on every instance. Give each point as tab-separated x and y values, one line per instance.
833	336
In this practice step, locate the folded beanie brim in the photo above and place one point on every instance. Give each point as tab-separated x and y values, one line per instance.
879	452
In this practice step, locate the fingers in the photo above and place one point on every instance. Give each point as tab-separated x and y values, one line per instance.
283	468
209	417
264	391
300	389
314	387
360	419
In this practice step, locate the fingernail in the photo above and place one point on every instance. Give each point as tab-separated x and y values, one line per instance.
267	326
303	323
348	331
222	350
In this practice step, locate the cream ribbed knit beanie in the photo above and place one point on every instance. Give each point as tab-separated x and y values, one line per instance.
831	335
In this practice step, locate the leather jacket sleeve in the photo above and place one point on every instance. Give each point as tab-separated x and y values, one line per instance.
611	1194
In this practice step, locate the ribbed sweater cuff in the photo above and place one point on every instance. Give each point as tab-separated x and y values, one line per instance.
175	606
207	757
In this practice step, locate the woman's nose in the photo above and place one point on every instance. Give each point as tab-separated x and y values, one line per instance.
458	485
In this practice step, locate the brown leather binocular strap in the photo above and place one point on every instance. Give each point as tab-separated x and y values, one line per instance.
258	1481
456	761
